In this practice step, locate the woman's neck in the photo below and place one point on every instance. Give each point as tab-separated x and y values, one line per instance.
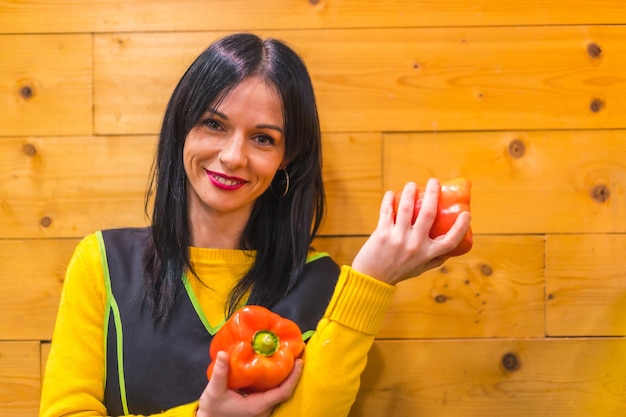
217	230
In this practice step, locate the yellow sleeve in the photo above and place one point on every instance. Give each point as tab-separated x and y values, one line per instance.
336	355
73	382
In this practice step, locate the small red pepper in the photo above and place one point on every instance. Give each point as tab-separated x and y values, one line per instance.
262	346
454	199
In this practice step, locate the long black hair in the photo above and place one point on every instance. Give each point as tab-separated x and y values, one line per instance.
280	229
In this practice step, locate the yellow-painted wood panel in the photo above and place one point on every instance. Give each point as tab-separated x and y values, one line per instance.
523	182
31	278
19	378
505	377
496	290
342	249
135	74
184	15
435	79
353	182
586	285
46	84
71	186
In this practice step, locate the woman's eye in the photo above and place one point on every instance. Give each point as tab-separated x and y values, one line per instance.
264	140
212	124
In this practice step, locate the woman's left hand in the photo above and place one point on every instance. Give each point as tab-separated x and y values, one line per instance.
399	249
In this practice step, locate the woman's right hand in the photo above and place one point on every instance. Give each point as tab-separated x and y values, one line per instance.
399	249
219	401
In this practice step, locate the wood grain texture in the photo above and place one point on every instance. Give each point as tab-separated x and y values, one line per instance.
46	84
496	290
184	15
342	249
352	171
499	377
70	186
135	74
435	79
19	378
522	182
586	285
31	278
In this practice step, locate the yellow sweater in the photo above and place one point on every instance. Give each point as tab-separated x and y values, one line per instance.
334	357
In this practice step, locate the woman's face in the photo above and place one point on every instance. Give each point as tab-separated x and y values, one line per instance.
232	154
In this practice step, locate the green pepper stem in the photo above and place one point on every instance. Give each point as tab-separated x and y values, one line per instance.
265	342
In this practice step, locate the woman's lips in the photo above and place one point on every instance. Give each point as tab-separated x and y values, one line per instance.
225	182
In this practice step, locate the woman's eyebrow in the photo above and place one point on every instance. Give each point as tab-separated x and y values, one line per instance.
273	127
217	113
260	126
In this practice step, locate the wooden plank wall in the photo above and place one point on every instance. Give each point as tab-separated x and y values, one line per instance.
526	99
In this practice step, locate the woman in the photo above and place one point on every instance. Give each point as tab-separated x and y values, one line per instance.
238	199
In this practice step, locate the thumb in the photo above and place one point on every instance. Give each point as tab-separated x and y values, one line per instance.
219	378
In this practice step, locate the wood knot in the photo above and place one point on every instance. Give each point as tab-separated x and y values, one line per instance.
441	298
600	193
517	148
510	362
596	105
26	88
594	50
26	92
444	270
45	221
29	149
486	269
314	2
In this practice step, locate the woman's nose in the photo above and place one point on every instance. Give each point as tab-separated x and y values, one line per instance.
233	153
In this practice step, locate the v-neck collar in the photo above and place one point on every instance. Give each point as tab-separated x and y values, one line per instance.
212	329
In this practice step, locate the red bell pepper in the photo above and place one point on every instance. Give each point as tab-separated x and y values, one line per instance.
454	199
262	347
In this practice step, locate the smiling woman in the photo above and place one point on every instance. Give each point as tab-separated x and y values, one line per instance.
231	158
238	200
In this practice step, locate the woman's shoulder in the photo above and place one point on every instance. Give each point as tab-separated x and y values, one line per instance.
88	244
94	237
84	272
91	247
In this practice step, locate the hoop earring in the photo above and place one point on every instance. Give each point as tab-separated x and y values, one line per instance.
287	180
